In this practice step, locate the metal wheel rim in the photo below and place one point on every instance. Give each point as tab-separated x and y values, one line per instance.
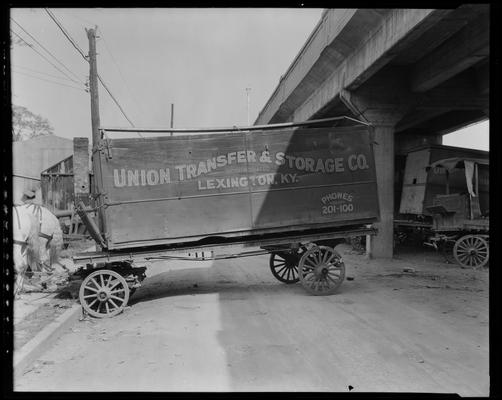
284	267
321	270
104	293
471	251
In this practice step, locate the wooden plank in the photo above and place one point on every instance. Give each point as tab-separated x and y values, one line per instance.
57	191
162	188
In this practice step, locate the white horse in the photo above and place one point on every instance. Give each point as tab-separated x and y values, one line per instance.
50	233
26	240
40	230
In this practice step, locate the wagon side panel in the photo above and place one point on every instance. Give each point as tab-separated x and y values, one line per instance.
181	188
415	183
152	192
315	176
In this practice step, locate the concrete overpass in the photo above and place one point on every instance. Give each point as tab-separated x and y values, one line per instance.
414	74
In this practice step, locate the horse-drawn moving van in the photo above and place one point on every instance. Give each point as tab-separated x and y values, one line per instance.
445	199
291	190
461	218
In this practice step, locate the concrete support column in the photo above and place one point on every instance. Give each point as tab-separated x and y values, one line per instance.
381	245
383	106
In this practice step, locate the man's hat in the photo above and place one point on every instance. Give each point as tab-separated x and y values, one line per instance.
30	194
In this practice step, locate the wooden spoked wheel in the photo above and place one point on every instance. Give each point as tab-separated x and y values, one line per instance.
284	266
471	251
104	293
321	270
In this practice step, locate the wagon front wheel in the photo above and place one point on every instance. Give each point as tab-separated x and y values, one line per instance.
321	270
284	266
471	251
104	293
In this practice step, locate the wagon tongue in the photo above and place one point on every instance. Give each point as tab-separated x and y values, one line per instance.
89	224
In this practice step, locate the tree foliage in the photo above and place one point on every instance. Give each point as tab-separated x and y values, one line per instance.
26	125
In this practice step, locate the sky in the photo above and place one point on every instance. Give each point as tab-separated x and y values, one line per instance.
201	60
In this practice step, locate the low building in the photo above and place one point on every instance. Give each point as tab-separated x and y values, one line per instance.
68	181
31	157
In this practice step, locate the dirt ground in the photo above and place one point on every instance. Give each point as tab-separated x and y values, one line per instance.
230	326
36	318
36	307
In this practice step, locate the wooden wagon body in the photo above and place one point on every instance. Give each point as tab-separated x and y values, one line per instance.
291	191
421	184
171	189
460	220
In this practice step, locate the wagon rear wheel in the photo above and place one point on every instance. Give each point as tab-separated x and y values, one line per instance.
321	270
104	293
284	266
471	251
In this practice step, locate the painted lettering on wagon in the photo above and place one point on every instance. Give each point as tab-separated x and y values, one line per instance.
150	177
337	203
244	181
141	177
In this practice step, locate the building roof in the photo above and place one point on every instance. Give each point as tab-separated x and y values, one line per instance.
30	157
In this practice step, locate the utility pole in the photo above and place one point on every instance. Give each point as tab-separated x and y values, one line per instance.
93	86
172	117
247	95
93	89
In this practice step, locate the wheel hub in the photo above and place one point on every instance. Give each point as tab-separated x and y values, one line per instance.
103	295
290	261
321	271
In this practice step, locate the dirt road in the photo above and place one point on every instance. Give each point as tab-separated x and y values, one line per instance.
230	326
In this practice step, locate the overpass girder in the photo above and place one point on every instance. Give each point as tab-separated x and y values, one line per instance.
464	49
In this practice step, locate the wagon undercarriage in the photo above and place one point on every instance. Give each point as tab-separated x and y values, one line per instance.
109	278
293	191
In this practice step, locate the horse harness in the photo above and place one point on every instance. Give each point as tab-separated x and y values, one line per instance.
19	242
37	211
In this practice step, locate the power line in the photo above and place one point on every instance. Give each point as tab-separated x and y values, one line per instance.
47	80
119	70
41	72
72	41
115	100
43	47
60	26
45	58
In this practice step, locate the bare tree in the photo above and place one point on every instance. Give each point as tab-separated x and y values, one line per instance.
26	124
